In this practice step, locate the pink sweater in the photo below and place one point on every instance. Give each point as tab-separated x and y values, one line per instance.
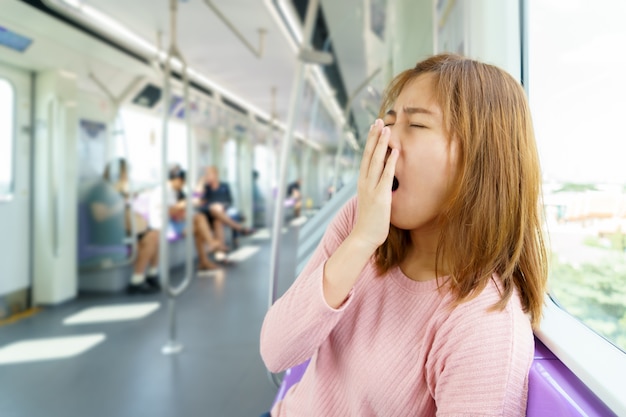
395	348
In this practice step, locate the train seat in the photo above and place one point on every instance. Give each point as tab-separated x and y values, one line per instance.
93	254
292	376
94	259
104	268
553	390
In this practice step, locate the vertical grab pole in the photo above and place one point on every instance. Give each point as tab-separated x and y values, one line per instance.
163	248
294	106
173	346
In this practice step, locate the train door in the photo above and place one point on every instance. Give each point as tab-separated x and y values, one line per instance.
15	144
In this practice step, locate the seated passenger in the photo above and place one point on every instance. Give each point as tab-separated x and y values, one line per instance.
110	221
176	206
216	204
293	192
422	296
258	202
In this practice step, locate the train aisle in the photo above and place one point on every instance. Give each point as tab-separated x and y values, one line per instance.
116	368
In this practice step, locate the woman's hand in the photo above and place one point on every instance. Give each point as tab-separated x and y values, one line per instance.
343	268
374	187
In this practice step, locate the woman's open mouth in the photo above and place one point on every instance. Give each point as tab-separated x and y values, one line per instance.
395	184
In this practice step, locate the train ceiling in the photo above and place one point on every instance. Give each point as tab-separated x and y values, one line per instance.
213	50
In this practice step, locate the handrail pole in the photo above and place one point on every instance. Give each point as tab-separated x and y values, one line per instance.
173	346
294	106
258	53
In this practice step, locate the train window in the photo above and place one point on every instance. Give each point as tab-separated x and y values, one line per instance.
7	139
576	91
143	133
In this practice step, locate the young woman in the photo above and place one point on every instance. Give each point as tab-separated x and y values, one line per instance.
421	298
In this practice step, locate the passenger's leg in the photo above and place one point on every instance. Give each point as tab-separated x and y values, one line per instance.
146	247
201	228
219	213
203	260
203	238
218	228
152	278
297	207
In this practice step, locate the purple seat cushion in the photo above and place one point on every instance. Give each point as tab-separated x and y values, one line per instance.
292	376
553	390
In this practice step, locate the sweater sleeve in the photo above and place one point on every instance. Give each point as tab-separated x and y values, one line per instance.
480	361
297	324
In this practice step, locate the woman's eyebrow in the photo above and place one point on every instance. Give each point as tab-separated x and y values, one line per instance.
411	110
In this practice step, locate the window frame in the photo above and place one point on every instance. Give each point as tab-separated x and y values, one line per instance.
9	196
598	363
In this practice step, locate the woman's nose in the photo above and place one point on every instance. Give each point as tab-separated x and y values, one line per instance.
394	139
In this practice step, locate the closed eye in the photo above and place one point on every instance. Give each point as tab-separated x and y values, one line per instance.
421	126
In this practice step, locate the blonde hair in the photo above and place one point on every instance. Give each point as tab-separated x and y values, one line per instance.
491	221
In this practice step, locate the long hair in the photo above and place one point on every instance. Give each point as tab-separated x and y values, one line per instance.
491	221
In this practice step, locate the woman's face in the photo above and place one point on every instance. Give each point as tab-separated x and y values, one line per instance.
427	159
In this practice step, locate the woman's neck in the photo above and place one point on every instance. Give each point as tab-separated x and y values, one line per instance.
420	264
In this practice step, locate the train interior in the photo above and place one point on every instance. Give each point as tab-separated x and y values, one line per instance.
268	93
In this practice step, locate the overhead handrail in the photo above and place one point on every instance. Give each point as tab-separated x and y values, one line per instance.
118	129
173	346
258	53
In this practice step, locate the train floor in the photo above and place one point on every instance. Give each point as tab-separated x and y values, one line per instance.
83	366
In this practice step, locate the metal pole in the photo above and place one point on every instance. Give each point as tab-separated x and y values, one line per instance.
163	244
173	346
294	105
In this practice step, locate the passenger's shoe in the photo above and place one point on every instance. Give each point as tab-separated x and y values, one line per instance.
247	231
143	288
207	268
153	282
